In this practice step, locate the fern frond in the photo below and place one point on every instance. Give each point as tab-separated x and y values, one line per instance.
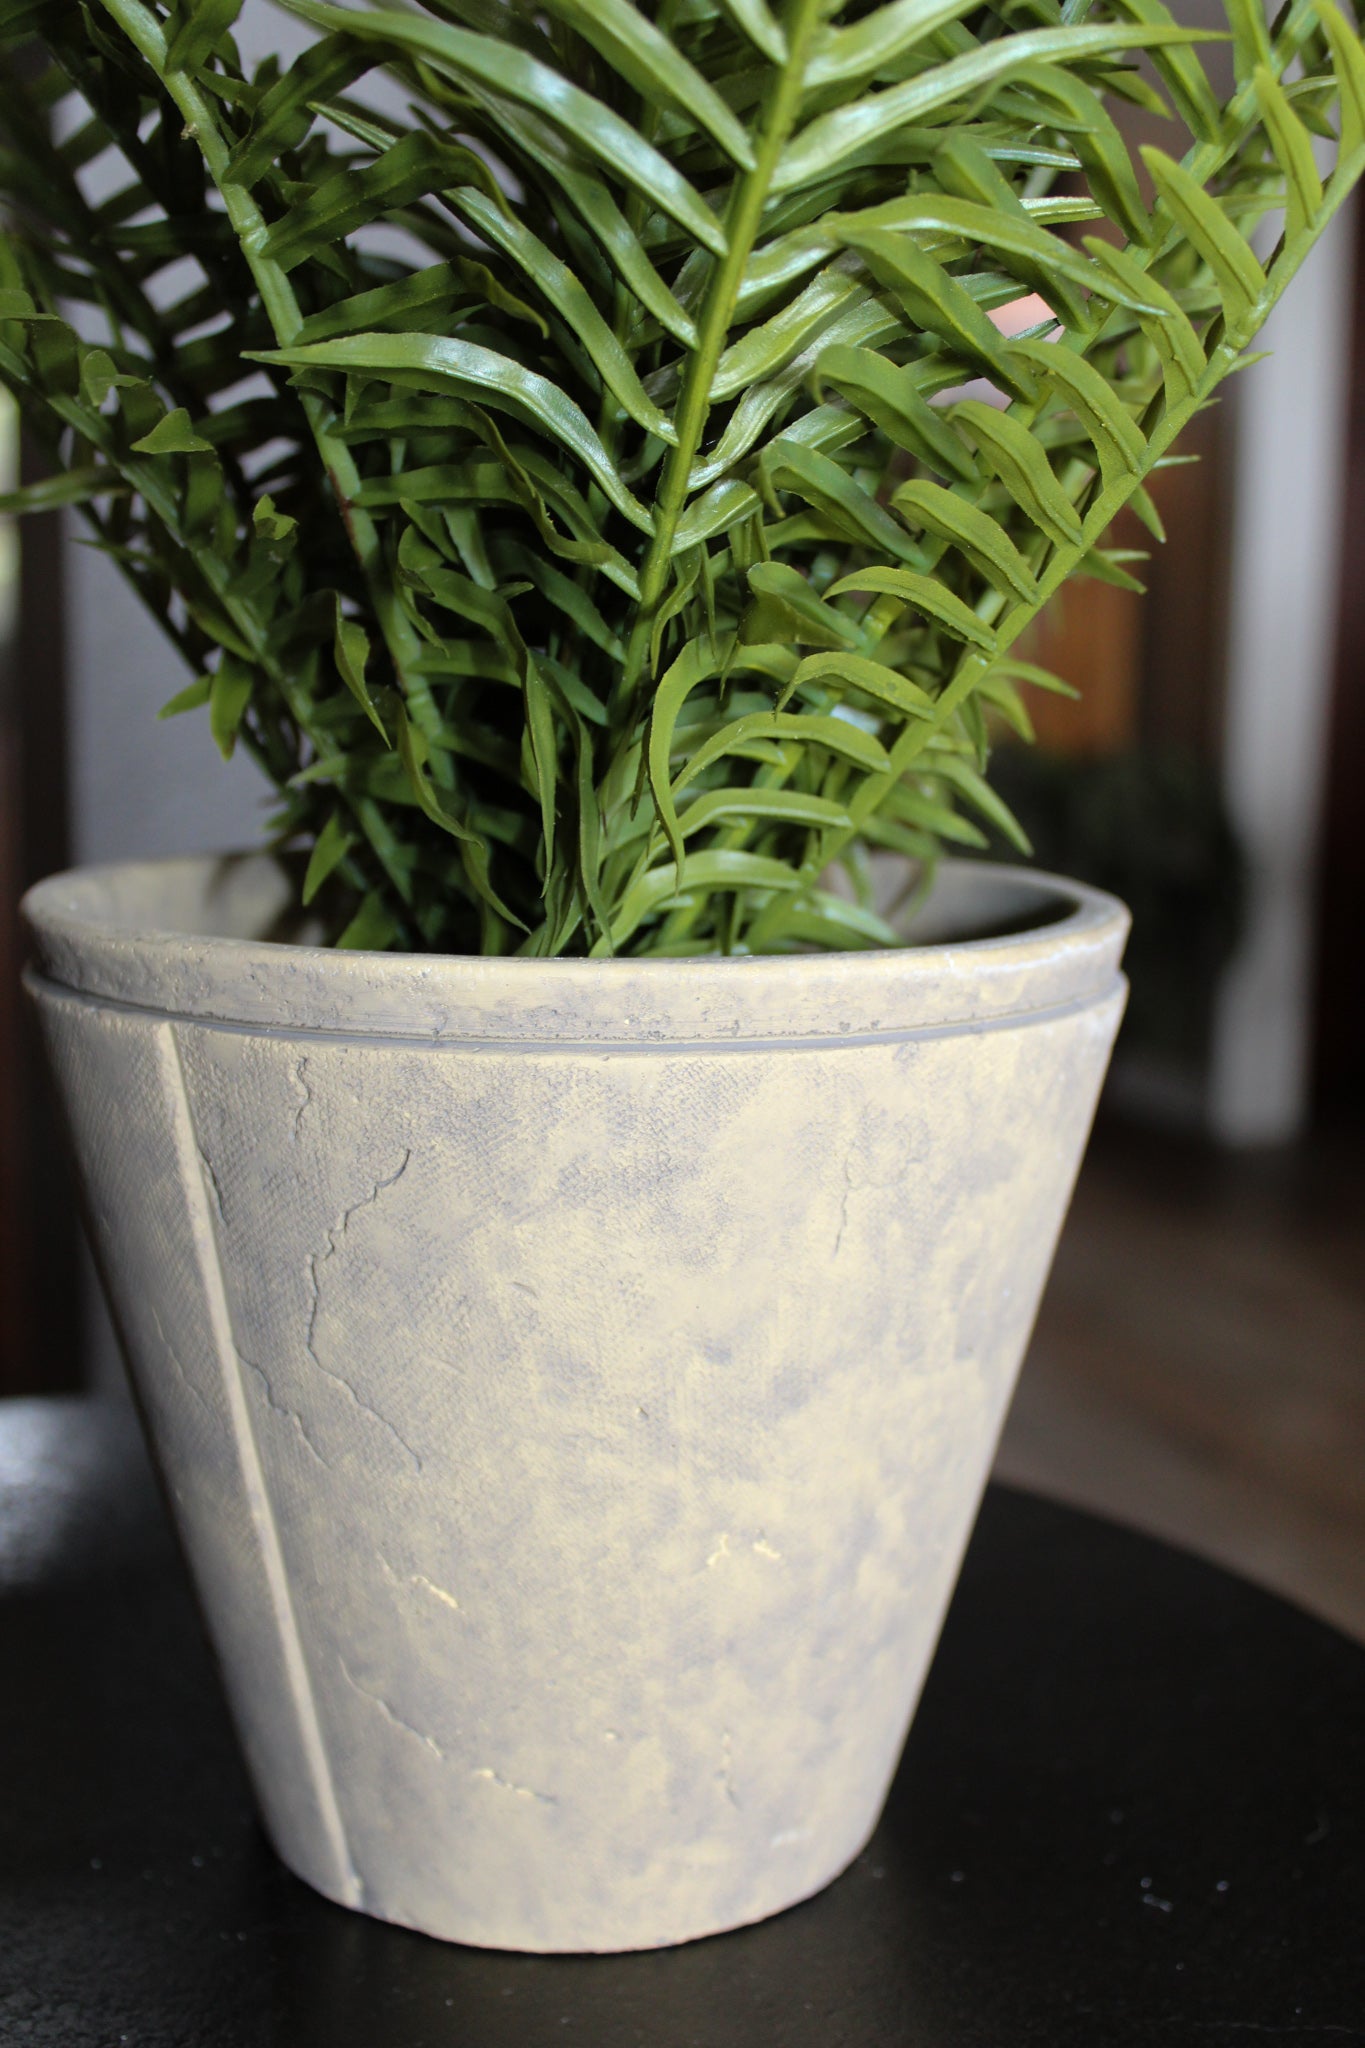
566	489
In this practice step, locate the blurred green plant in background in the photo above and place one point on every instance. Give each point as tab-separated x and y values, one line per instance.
1151	826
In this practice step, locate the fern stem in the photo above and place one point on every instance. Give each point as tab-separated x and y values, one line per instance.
748	197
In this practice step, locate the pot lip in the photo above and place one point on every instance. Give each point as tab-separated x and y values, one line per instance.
99	934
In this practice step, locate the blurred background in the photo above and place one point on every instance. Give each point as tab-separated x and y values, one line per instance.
1199	1363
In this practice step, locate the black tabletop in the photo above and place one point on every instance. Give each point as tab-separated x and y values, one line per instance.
1130	1811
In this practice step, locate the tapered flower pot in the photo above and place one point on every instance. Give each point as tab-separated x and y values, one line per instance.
574	1381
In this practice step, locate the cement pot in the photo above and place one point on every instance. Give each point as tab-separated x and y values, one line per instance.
574	1381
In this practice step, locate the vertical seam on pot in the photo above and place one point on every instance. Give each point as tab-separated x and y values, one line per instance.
192	1173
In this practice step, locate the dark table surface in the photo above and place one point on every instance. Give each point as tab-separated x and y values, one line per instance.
1130	1811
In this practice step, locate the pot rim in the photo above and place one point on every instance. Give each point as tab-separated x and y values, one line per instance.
175	937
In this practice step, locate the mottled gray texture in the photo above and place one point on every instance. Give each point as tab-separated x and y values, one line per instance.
575	1443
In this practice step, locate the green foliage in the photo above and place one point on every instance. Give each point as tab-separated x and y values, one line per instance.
558	484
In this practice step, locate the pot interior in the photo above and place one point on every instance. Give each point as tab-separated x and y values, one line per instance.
254	896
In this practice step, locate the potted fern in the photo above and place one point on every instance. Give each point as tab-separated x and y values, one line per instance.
575	1206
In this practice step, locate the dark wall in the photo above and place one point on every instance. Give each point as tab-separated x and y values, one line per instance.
1340	1072
40	1320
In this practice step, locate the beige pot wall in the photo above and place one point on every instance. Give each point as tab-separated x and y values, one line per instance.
575	1382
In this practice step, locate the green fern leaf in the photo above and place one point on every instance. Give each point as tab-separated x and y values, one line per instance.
608	361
